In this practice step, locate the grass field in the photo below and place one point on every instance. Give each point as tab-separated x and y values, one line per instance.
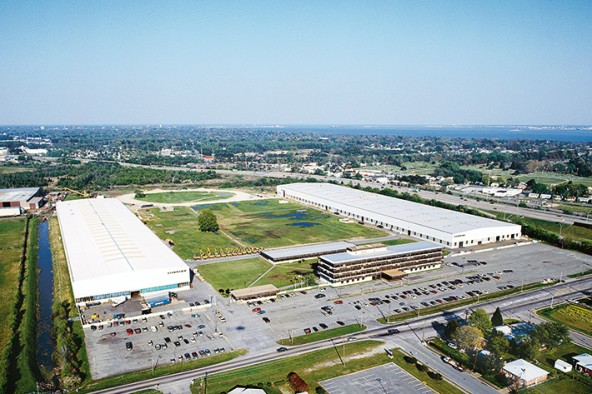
283	274
268	224
564	383
12	233
312	367
182	228
322	334
576	208
174	197
234	274
242	273
573	316
13	169
398	241
561	384
261	223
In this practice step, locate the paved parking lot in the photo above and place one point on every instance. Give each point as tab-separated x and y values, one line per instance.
361	303
387	379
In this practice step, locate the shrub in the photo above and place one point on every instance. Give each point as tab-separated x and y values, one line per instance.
421	367
410	360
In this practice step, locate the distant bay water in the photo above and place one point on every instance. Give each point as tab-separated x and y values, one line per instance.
549	133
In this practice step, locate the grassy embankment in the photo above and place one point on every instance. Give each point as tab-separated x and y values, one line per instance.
72	363
573	316
455	304
322	334
12	233
313	367
242	273
175	197
28	370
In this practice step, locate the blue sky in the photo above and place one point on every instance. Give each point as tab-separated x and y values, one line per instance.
296	62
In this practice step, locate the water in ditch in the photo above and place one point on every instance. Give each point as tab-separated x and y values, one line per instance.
45	345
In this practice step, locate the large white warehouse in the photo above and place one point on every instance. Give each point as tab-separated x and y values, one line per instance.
445	227
111	253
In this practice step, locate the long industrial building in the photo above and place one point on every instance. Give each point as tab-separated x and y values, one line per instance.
111	253
369	262
442	226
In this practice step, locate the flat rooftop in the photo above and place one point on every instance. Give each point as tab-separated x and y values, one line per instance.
317	249
346	257
20	194
441	219
103	238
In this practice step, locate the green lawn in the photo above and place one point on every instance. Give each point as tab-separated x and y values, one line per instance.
312	367
398	241
322	334
12	233
573	316
564	383
561	384
576	208
180	225
174	197
261	223
236	274
268	224
73	196
283	274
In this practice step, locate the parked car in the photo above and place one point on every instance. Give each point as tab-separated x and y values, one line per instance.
129	346
282	349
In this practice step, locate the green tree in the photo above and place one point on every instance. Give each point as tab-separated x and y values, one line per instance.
497	319
498	343
480	319
451	328
207	221
550	334
528	348
469	338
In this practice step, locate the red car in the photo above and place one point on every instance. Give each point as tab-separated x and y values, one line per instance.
307	331
138	331
256	310
338	302
129	331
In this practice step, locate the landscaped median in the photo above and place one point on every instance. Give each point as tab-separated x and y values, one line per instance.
161	371
324	334
456	304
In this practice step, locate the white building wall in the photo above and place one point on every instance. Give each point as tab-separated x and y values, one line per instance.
400	225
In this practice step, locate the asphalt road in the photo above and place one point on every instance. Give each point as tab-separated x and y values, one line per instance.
522	303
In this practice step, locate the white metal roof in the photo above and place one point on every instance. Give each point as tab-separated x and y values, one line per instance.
584	359
103	239
19	194
441	219
524	370
296	252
